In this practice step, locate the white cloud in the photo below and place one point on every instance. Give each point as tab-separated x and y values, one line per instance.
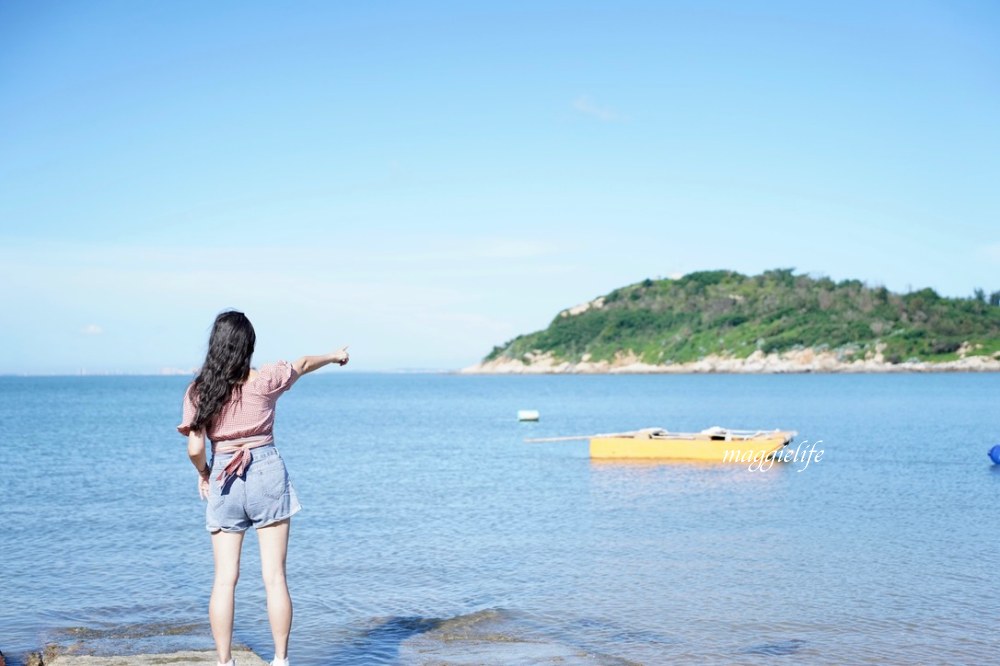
584	104
468	253
991	252
402	301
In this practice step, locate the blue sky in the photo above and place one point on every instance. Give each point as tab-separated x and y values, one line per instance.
426	180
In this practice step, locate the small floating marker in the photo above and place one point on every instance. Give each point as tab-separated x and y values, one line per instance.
532	415
995	454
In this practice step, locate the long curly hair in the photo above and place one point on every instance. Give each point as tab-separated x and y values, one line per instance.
226	367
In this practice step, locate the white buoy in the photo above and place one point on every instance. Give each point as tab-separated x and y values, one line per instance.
527	415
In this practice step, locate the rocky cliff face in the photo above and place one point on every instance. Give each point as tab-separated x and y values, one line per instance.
803	360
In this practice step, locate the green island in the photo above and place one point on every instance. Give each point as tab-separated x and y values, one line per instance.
735	322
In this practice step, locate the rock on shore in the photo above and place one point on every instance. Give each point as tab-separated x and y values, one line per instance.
799	361
189	658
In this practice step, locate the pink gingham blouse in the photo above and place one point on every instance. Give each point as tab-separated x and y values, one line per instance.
253	413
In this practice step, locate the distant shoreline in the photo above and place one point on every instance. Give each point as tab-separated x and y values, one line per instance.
709	365
796	362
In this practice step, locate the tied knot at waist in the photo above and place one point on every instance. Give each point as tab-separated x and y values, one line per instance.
241	447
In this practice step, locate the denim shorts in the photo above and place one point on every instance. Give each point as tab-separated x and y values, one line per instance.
261	496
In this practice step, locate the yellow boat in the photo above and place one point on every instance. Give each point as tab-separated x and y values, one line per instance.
711	445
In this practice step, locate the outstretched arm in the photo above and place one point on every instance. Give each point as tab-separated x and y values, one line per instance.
307	364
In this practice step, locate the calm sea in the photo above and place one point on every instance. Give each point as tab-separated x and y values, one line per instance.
432	533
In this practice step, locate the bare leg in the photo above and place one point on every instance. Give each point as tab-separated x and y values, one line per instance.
226	546
273	547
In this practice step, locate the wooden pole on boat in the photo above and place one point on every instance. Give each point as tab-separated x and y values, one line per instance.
572	438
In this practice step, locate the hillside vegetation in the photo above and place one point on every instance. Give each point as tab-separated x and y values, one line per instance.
728	314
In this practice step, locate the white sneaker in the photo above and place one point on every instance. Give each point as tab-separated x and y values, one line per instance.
279	662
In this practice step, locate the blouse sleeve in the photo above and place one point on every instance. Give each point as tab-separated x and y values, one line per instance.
187	413
276	378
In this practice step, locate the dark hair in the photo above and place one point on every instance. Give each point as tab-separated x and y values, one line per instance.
226	366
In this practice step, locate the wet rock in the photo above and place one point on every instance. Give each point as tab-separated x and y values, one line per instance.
187	658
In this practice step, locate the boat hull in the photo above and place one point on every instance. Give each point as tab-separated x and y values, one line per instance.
699	447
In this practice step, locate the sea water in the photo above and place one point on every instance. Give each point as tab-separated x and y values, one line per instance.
433	533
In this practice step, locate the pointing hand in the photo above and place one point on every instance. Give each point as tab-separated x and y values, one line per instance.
340	356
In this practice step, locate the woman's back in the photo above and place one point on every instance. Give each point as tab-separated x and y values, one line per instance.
252	412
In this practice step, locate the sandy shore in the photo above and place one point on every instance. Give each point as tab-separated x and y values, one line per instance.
799	361
189	658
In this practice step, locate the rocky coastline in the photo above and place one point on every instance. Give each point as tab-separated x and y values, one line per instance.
798	361
51	656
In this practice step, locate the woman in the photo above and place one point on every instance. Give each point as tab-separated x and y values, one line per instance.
247	483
